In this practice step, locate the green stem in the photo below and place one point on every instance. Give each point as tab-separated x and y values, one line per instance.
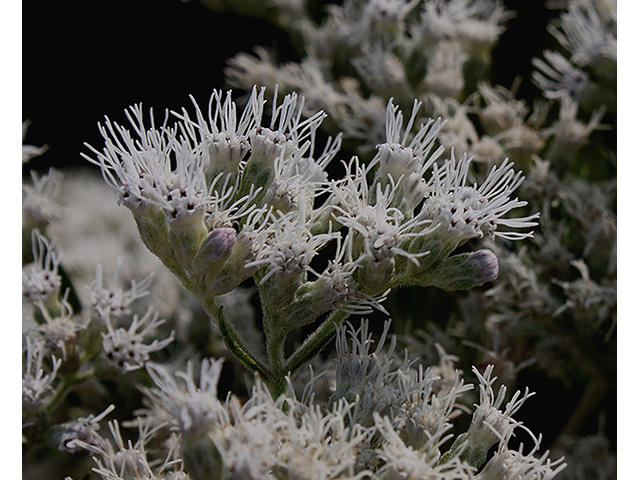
275	338
68	382
233	341
275	351
315	341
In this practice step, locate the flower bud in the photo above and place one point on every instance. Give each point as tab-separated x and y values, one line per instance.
213	252
232	272
463	271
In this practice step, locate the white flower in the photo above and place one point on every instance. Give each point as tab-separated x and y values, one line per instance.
125	348
382	71
376	229
365	377
502	111
388	13
404	162
585	32
429	402
404	462
84	429
475	211
298	179
59	332
36	384
557	77
318	445
140	169
223	136
287	133
290	246
478	22
247	443
118	459
514	465
570	133
40	279
489	424
445	75
38	199
192	404
338	290
114	300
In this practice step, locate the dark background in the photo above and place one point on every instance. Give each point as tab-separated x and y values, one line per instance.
85	59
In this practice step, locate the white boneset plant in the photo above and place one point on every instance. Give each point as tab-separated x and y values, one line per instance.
223	196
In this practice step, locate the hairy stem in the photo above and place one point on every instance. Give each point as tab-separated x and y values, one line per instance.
315	341
233	340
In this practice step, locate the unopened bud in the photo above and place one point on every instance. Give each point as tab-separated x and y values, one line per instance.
464	271
232	272
215	249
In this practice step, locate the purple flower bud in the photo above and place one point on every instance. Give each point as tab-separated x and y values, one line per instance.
463	271
486	264
215	249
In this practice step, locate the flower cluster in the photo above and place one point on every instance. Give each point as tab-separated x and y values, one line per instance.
222	197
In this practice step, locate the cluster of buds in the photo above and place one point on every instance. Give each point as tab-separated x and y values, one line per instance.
220	198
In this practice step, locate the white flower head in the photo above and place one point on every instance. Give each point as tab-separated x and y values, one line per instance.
287	133
60	331
466	211
587	34
290	246
364	376
557	77
515	465
405	161
489	424
38	199
317	445
569	132
83	430
125	348
224	138
376	228
36	383
40	279
117	458
388	14
445	74
479	22
403	462
298	179
429	402
380	228
114	300
383	71
189	397
339	290
140	169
